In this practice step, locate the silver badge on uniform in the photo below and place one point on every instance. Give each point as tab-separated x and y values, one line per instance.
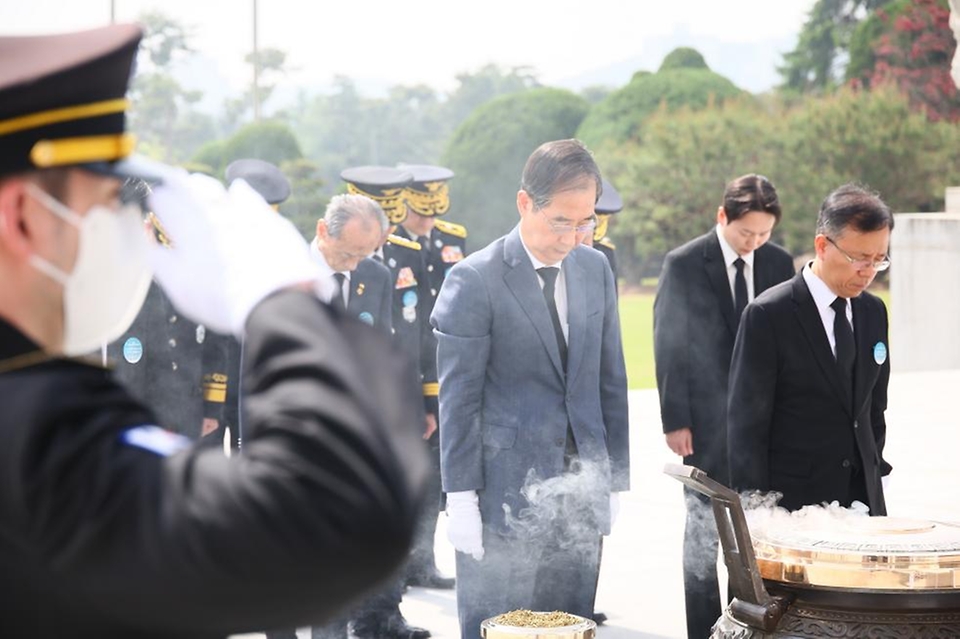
410	313
201	333
392	262
438	243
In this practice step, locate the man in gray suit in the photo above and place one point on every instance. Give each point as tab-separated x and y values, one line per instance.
533	401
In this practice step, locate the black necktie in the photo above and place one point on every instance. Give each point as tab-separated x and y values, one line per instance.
846	349
549	275
739	288
337	300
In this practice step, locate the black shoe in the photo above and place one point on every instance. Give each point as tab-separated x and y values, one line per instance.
430	578
393	627
599	618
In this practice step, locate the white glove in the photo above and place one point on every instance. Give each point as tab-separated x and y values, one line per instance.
464	526
614	508
229	250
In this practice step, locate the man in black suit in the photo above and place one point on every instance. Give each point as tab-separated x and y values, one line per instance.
808	381
704	286
347	234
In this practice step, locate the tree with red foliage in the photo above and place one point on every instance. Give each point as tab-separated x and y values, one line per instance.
911	46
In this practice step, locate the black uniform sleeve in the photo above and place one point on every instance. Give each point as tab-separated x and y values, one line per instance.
317	510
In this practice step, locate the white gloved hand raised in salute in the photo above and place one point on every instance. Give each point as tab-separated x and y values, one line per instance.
464	526
229	250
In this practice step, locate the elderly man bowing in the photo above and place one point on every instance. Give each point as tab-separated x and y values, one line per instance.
533	401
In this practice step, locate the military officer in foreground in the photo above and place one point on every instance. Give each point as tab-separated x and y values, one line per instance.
113	526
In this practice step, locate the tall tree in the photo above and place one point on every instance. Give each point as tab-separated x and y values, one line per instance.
489	149
818	61
910	45
162	113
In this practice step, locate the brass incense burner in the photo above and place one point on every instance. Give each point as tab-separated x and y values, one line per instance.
850	577
581	628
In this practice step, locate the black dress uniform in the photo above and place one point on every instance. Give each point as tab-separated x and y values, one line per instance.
113	527
445	245
609	204
159	361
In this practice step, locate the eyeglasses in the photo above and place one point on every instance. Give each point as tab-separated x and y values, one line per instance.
561	228
880	265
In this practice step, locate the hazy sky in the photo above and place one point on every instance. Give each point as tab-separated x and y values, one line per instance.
430	41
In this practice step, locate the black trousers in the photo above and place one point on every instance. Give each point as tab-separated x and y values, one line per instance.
700	551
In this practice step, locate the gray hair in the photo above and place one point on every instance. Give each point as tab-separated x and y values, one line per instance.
348	206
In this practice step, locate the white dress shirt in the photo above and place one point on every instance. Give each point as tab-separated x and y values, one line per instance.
823	297
559	290
729	257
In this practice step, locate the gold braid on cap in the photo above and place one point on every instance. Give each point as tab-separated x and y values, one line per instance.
603	220
434	199
390	200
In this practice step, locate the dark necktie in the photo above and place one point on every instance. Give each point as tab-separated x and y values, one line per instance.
549	275
337	300
739	288
846	349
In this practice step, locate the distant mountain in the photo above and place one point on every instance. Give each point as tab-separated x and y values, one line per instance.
749	65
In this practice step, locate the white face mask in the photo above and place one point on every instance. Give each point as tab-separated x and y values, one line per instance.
110	278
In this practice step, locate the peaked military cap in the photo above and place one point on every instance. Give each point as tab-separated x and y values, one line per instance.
428	194
382	184
610	201
265	178
62	101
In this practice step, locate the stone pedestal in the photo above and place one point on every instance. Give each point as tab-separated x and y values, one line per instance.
952	199
925	292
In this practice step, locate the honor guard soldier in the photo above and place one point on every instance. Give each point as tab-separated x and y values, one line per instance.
222	353
160	360
444	244
609	204
111	525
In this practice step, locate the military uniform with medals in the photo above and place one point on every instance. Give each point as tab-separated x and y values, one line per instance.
445	245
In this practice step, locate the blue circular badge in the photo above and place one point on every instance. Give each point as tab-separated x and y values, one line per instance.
410	298
132	350
880	353
366	318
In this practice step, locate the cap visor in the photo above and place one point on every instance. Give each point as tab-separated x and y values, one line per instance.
134	166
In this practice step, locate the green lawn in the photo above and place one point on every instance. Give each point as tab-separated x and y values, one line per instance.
636	326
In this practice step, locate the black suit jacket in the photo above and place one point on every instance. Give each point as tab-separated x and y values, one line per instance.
370	301
792	427
694	330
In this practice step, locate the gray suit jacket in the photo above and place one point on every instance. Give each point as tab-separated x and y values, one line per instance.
505	402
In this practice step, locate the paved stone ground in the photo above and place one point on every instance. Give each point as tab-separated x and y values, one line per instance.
641	587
